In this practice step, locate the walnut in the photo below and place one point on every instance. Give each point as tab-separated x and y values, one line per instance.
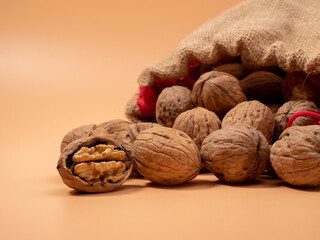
295	156
166	156
252	113
262	86
74	134
235	69
197	123
286	111
117	130
94	164
171	102
236	154
300	86
217	92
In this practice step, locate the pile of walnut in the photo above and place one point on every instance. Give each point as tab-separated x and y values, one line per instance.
233	123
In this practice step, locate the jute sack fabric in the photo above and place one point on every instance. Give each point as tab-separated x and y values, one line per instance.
264	33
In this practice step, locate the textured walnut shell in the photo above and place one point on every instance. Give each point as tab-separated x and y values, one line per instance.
218	92
166	156
73	181
117	130
235	69
252	113
262	86
296	156
286	111
300	86
235	154
197	123
74	134
171	102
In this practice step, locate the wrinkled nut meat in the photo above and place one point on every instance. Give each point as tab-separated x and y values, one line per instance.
296	156
79	132
262	86
235	69
300	86
94	164
286	111
197	123
171	102
218	92
252	113
166	156
236	154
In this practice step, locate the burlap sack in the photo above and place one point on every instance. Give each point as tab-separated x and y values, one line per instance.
264	33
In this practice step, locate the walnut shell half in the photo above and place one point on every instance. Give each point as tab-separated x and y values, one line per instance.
166	156
296	156
236	154
74	134
94	164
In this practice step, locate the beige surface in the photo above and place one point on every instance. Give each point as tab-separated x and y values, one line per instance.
68	63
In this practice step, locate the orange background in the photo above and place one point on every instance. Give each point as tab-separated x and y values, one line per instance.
68	63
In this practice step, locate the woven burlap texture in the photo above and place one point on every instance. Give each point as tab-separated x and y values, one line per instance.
283	33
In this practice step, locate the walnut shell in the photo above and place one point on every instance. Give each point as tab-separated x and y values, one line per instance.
295	156
300	86
235	154
66	166
76	133
218	92
252	113
286	111
262	86
235	69
197	123
117	130
171	102
166	156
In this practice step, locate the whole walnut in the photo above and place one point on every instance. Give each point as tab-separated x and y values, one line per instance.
171	102
166	156
252	113
235	69
300	86
197	123
76	133
218	92
94	164
262	86
295	156
235	154
286	111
